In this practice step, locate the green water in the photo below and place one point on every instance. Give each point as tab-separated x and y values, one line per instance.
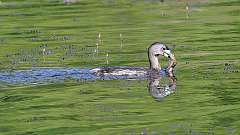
205	42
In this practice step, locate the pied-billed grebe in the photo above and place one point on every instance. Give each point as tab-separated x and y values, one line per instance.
154	51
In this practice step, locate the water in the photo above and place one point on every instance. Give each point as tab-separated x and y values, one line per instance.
203	100
60	75
57	75
38	76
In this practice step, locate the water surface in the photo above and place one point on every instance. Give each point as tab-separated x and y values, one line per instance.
49	33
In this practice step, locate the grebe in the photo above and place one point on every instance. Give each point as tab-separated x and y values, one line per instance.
154	51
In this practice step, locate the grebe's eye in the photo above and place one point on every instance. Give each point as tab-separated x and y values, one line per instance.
157	54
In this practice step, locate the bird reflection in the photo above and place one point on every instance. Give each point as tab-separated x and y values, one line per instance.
158	90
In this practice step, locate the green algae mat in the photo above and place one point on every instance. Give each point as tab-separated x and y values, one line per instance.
203	34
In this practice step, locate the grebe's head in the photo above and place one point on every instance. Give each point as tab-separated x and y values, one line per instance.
157	49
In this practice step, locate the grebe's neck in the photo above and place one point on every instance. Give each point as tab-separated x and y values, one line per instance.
153	61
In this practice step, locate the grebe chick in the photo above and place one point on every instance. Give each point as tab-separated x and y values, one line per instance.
154	51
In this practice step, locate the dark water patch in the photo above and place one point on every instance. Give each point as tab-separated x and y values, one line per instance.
71	117
17	98
226	121
215	40
28	133
14	33
221	24
219	100
55	131
234	12
134	113
23	5
226	96
49	106
226	31
86	92
61	17
227	118
225	111
222	93
229	3
6	128
52	118
68	13
100	98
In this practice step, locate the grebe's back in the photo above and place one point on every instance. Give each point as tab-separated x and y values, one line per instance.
120	71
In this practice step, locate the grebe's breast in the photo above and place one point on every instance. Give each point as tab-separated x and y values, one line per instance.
120	71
